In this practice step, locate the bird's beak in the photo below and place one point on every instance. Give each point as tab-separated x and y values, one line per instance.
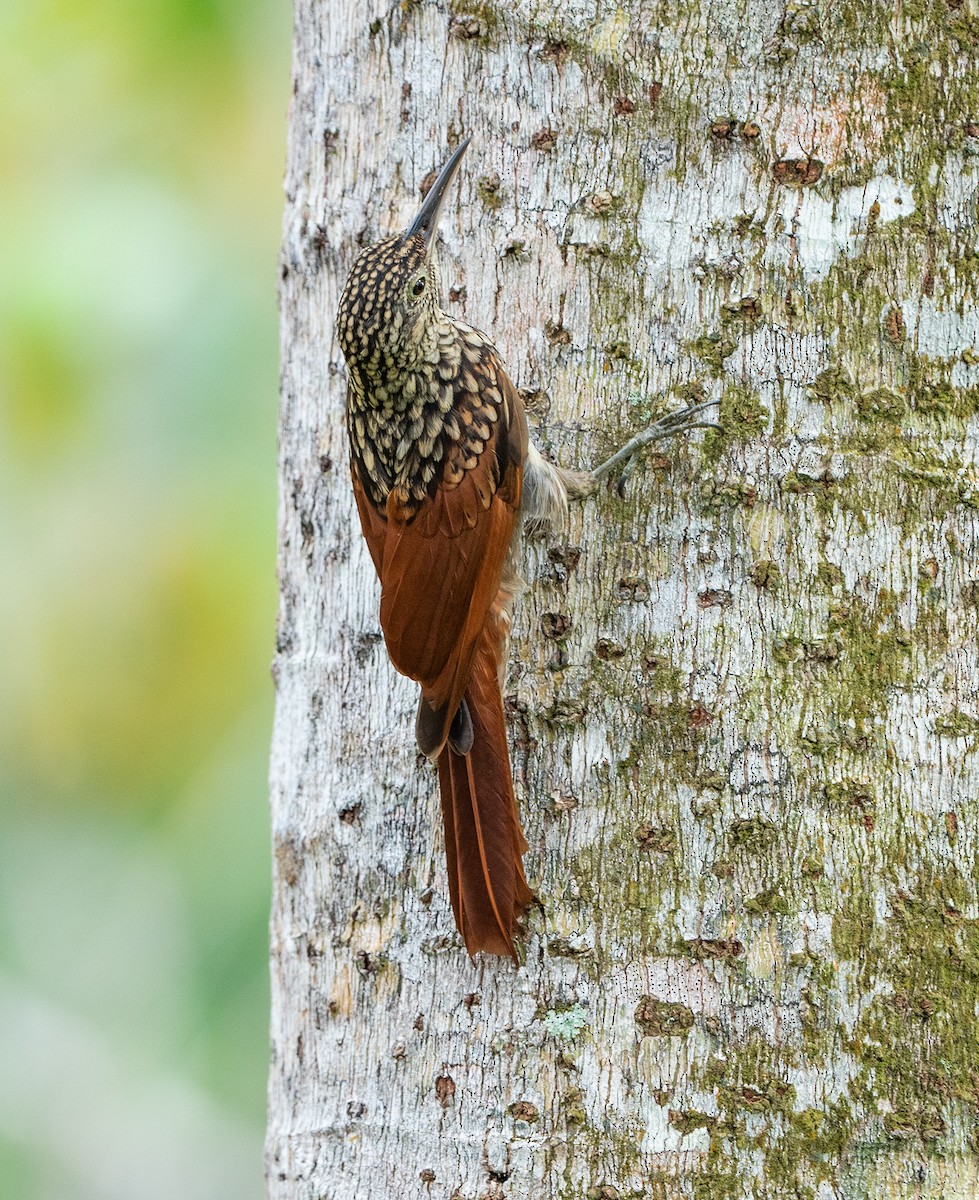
427	216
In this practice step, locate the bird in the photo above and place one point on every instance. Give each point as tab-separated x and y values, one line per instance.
445	474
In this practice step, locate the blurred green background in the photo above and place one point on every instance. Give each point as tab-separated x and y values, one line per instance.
141	151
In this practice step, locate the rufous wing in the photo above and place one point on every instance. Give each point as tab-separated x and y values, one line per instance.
441	561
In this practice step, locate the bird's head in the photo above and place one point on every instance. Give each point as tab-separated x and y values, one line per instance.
390	300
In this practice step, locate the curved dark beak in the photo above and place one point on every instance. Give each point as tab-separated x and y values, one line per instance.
426	219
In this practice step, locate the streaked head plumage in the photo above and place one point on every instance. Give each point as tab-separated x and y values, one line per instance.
390	296
389	306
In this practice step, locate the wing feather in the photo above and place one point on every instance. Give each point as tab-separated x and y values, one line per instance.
441	563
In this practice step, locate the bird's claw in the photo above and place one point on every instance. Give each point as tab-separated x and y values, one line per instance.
681	421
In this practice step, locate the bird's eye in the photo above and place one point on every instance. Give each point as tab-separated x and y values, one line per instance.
418	286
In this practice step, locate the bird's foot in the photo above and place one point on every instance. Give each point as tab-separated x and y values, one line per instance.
681	421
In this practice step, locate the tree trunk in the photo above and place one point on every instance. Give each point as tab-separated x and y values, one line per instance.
743	700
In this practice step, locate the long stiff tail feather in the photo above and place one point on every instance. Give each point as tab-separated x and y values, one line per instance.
484	843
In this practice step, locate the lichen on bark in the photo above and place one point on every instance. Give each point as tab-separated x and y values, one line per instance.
742	701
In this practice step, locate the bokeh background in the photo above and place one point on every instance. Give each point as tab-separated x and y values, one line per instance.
141	151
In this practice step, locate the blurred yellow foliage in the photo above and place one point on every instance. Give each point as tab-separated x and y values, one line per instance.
141	144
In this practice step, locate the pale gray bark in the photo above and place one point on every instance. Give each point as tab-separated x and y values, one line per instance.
745	700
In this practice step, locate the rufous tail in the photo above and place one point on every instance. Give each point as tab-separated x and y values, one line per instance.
484	844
